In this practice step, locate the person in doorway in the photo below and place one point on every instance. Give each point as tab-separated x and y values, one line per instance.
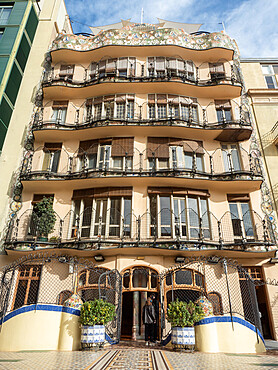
156	310
148	317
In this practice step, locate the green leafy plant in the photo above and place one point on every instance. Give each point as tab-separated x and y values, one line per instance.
184	314
45	217
96	312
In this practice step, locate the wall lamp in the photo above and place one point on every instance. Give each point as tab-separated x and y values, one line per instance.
179	259
99	258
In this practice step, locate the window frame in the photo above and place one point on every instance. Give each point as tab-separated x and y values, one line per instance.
103	211
2	7
157	226
225	157
271	74
241	215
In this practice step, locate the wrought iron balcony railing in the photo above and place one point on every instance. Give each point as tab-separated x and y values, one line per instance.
50	79
166	229
137	120
219	165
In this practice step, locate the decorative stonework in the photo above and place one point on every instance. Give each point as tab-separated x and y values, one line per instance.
206	306
73	301
130	35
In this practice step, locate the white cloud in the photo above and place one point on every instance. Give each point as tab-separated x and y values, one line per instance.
254	26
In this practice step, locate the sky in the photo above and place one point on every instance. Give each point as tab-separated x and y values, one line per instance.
252	23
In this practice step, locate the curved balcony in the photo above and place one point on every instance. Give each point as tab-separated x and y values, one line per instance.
195	163
220	86
196	117
111	42
168	230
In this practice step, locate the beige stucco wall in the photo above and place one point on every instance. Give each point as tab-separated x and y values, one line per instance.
52	11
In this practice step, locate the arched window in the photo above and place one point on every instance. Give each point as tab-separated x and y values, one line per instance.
88	279
184	284
216	301
139	277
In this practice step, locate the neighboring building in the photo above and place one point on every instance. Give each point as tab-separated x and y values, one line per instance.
261	81
26	30
143	143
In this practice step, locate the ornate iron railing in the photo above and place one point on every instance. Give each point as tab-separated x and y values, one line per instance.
165	229
219	165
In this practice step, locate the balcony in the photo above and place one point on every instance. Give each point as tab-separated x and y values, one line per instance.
167	229
186	162
220	86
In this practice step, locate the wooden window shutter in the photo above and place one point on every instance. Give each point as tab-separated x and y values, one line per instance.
83	193
178	191
112	192
120	98
238	197
88	146
93	70
222	103
150	63
51	147
151	99
60	104
111	65
160	64
102	65
216	67
193	146
173	99
122	146
158	147
122	64
161	99
180	65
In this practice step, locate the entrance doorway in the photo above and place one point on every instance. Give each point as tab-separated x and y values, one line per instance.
256	274
138	284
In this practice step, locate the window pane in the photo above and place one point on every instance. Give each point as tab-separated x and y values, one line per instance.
247	220
161	110
219	113
270	82
118	162
33	292
199	162
20	293
92	161
185	112
127	216
188	159
165	216
228	114
5	14
130	109
120	110
193	217
183	277
151	111
266	69
235	158
275	68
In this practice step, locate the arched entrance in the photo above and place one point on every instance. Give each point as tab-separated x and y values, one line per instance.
138	283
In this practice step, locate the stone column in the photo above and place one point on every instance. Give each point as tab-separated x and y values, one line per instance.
135	323
144	296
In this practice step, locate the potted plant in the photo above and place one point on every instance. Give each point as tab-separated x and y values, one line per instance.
182	317
93	316
45	218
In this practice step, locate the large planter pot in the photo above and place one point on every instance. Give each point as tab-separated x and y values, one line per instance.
92	334
183	336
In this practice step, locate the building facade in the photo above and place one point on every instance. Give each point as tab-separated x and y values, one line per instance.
26	30
142	141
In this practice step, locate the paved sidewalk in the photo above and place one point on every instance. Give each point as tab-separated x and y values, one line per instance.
133	359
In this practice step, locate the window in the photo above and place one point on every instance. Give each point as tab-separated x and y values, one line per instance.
66	71
102	217
178	216
59	112
5	12
121	110
217	71
121	67
241	219
186	160
88	280
106	154
270	72
231	157
51	157
27	288
1	32
161	106
140	277
223	110
161	67
216	301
